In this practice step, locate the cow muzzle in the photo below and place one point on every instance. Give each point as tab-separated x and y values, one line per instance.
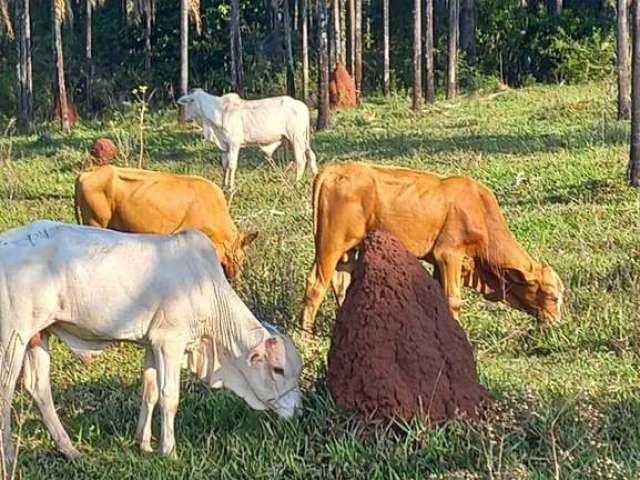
288	405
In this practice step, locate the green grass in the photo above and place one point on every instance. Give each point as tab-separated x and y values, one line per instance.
568	397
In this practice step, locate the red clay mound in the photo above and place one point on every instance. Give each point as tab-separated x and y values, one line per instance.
56	114
396	349
103	151
342	89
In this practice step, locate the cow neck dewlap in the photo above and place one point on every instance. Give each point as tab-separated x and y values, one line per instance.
233	326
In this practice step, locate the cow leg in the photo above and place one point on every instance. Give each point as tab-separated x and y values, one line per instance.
342	276
225	169
449	268
12	356
36	380
232	164
299	156
312	167
149	400
317	284
168	358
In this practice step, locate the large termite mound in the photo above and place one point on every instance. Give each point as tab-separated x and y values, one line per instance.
342	89
396	349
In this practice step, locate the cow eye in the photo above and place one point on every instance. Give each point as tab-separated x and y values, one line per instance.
278	371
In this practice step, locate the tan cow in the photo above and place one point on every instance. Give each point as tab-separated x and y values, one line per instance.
142	201
454	223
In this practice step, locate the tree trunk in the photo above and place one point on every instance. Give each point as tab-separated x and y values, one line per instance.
352	37
59	84
323	66
304	16
452	81
468	30
428	53
184	47
338	32
295	15
24	104
623	60
291	77
235	38
385	48
417	55
634	158
358	43
88	55
147	42
343	31
332	39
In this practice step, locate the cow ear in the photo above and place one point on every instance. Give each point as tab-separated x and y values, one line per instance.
256	355
248	239
185	100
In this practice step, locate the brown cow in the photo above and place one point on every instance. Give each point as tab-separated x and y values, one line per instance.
454	223
141	201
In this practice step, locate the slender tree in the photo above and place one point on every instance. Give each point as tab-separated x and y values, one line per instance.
184	47
343	31
146	10
286	20
468	29
304	16
57	14
428	53
24	90
358	49
338	31
385	47
622	64
323	66
454	21
235	37
6	19
417	55
187	8
332	38
352	37
88	54
633	170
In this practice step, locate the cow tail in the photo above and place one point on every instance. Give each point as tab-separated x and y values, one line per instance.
317	187
76	201
308	153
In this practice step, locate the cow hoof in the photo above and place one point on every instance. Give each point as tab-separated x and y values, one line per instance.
146	447
71	453
171	454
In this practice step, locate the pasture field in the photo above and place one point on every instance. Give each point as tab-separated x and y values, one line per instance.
568	397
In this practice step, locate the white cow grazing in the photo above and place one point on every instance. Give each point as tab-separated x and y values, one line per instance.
91	287
232	123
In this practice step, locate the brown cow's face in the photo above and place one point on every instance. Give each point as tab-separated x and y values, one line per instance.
236	254
540	295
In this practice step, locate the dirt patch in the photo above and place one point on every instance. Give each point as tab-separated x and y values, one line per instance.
103	151
342	89
396	349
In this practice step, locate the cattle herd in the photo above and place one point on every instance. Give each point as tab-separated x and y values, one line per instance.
155	272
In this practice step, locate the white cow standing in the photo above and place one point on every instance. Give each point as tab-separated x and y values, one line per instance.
232	123
91	287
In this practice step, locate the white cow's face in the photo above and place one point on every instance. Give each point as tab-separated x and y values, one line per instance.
270	377
189	107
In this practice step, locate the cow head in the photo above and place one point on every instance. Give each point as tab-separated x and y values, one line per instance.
539	292
189	106
267	376
235	254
